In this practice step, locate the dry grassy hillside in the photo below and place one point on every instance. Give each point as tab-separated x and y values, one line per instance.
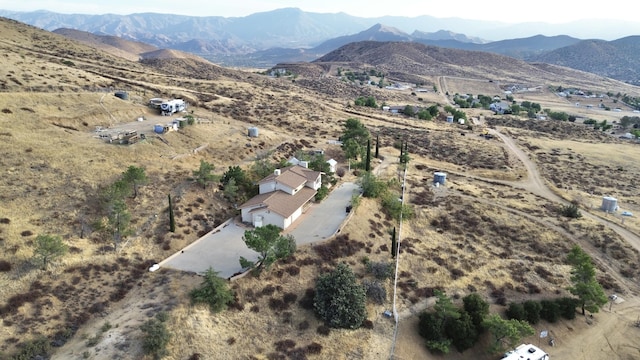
484	232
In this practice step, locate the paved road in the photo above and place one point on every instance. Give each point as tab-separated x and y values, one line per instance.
221	249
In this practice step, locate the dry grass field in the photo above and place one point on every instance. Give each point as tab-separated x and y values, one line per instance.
486	231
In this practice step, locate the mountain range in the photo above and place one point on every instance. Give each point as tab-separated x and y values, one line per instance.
290	34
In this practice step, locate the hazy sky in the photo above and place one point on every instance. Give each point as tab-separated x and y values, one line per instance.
550	11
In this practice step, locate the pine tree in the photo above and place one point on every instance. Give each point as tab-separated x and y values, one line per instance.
377	146
368	161
172	219
394	243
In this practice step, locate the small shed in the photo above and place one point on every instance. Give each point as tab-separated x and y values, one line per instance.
252	132
332	165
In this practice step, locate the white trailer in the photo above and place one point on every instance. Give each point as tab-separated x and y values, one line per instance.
526	351
172	106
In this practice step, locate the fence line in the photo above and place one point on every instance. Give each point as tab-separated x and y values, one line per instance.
395	280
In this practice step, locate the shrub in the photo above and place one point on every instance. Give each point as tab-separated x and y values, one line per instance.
571	211
155	339
375	291
380	270
37	348
516	311
323	330
284	345
549	310
532	309
5	266
340	299
303	325
314	348
307	300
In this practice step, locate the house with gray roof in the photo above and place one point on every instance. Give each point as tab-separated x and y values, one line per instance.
282	198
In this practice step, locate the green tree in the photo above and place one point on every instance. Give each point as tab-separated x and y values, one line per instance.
424	114
371	186
462	332
393	206
532	310
319	163
230	190
116	225
203	175
135	176
156	338
477	308
394	243
48	248
506	333
213	291
269	244
261	168
367	163
432	326
583	277
354	129
340	300
352	149
409	111
172	219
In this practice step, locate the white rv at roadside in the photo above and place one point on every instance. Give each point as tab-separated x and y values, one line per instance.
172	106
526	352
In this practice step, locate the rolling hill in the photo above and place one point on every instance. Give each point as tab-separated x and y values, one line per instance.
618	59
489	231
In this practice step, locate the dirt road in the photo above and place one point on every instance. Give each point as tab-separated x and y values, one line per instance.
536	185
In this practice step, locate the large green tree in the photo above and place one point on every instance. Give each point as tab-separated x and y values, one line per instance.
506	333
340	300
213	291
135	176
354	138
477	308
48	248
432	325
269	244
204	175
583	277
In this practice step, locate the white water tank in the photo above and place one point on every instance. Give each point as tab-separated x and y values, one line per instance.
609	204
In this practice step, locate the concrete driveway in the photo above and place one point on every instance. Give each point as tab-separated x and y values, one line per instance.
322	220
221	248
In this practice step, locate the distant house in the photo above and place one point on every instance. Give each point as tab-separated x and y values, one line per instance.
282	198
499	107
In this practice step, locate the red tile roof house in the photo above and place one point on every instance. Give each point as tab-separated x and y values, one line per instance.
282	198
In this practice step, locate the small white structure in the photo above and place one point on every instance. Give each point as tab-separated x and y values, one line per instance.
450	118
332	165
439	178
526	351
609	204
